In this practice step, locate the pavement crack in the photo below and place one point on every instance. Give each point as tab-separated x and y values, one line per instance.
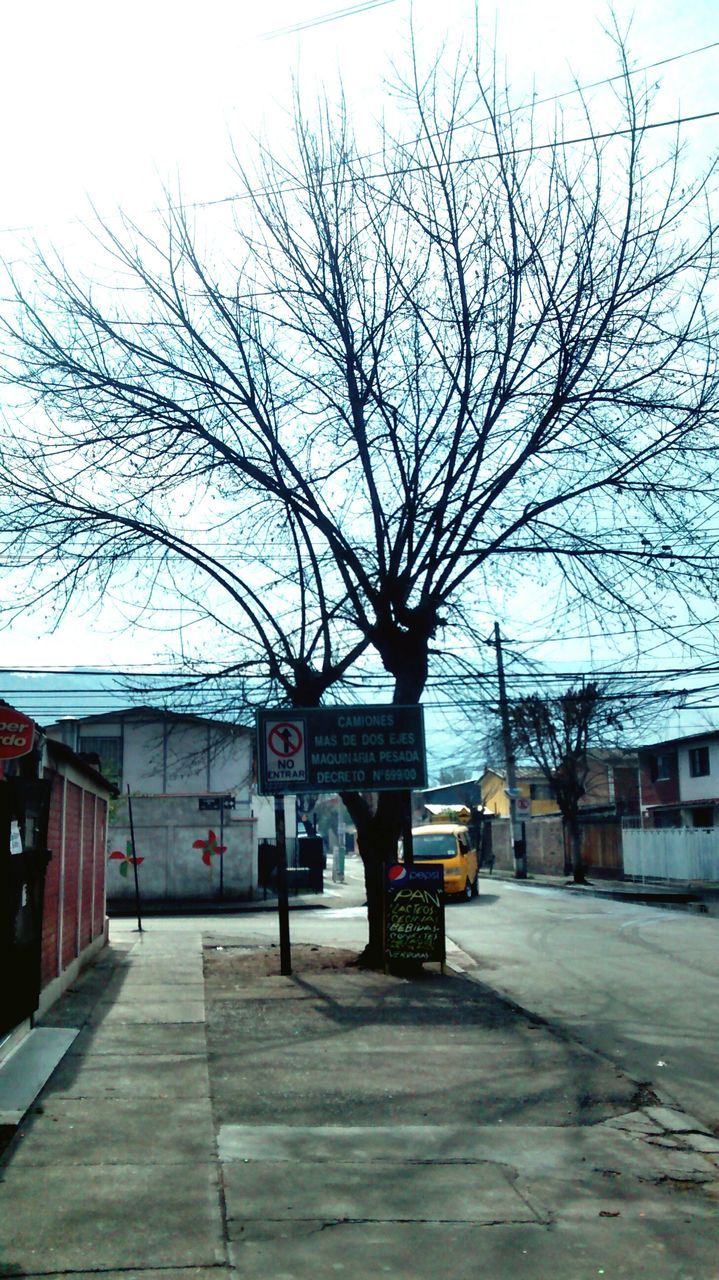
332	1223
678	1181
155	1267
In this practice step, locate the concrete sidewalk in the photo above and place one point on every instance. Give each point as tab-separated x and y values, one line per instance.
698	895
338	1122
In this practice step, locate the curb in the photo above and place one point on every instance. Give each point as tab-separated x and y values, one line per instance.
651	897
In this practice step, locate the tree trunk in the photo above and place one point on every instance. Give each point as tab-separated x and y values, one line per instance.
374	883
575	837
378	835
405	654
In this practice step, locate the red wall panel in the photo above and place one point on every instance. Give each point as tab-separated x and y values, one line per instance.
74	901
71	885
88	864
100	864
51	909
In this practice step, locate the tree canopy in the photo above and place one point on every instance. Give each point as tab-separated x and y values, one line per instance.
408	376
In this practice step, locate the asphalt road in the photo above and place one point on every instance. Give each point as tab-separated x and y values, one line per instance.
638	984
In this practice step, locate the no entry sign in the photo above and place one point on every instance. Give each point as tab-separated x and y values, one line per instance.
283	753
364	748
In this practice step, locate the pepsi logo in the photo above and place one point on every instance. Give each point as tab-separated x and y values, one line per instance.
396	873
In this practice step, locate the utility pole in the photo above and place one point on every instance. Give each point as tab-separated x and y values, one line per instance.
283	910
517	843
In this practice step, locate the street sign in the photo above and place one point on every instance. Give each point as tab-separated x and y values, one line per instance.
17	734
523	807
367	748
283	752
217	802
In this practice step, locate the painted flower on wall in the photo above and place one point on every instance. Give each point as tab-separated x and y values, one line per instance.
125	859
210	848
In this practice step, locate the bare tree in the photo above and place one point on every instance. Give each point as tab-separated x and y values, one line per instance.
555	732
476	354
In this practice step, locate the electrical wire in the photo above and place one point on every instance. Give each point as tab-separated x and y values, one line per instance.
336	16
254	193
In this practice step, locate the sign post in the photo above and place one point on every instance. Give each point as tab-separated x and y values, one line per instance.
134	860
222	803
366	748
283	906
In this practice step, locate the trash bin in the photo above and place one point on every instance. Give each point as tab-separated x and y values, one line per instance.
311	854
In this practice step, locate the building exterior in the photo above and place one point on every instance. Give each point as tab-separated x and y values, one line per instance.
611	796
195	812
450	799
532	785
679	782
157	752
53	836
466	794
611	786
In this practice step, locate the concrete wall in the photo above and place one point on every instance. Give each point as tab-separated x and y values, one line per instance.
173	757
166	829
705	787
601	846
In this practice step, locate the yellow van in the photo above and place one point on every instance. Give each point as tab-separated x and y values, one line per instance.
448	845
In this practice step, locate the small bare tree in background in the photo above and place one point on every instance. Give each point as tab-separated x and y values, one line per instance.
555	734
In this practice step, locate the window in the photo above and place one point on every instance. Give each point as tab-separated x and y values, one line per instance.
699	762
667	818
110	752
540	791
702	817
662	767
437	845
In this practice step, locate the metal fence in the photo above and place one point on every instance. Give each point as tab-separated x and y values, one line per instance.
672	853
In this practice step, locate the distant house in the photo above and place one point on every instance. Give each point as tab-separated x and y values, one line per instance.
467	793
611	786
611	795
194	808
532	785
448	795
679	781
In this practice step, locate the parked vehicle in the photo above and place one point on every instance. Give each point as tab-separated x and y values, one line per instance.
448	844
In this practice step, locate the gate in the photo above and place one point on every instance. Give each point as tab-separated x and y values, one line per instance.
24	809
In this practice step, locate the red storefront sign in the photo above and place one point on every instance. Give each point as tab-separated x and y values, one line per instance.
17	733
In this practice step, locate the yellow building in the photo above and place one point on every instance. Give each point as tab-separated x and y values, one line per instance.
531	783
611	781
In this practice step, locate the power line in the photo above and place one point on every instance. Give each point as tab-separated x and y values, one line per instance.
570	93
508	153
208	685
335	16
253	193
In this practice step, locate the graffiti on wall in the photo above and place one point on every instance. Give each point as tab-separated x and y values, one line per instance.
125	859
210	848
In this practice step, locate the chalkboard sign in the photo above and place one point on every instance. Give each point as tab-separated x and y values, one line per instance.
414	913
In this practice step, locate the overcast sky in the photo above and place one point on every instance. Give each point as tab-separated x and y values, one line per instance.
105	102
